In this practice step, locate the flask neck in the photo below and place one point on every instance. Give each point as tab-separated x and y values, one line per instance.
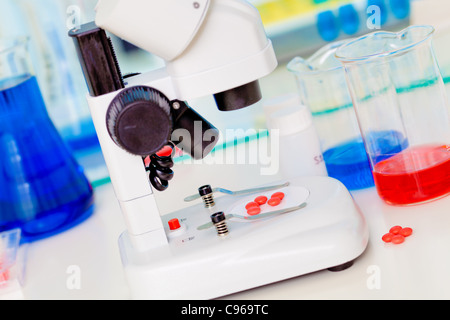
15	65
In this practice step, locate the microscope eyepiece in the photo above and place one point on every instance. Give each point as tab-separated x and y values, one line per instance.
239	98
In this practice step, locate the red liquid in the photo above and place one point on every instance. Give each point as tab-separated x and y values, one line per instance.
415	175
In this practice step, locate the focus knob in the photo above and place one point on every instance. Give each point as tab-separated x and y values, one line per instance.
139	120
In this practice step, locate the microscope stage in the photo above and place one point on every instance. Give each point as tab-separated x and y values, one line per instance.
328	232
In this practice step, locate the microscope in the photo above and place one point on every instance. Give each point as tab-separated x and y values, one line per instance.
210	47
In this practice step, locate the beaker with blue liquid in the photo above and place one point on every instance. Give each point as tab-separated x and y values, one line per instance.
322	86
43	190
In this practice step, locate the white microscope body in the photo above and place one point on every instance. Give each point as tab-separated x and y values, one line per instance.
211	47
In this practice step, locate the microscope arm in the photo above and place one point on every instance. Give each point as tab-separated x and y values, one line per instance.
127	172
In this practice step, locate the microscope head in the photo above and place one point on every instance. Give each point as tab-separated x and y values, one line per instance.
211	47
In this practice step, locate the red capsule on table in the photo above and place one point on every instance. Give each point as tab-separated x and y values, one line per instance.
406	232
395	230
387	237
397	239
261	200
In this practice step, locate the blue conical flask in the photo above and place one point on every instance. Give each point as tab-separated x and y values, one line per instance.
43	190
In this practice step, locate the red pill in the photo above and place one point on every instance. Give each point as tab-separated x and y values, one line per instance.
261	200
406	232
279	195
251	205
254	211
397	239
274	202
395	230
387	237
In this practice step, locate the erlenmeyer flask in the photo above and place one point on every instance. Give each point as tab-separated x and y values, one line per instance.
43	190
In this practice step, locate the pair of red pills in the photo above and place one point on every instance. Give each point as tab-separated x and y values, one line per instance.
254	207
397	235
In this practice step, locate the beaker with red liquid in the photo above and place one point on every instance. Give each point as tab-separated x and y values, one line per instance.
397	89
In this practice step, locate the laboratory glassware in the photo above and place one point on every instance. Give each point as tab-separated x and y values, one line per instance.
323	89
63	79
403	112
43	190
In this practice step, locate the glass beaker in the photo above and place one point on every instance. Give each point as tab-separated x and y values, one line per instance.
323	88
43	190
403	112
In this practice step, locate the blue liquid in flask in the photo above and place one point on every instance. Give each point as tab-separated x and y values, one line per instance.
43	190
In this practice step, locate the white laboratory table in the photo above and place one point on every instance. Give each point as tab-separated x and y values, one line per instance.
417	269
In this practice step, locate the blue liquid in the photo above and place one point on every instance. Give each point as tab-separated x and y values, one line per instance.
385	144
350	164
43	190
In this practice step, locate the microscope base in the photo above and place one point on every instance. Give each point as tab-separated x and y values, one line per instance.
198	264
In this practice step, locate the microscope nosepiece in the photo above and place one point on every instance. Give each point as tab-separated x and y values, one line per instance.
239	98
